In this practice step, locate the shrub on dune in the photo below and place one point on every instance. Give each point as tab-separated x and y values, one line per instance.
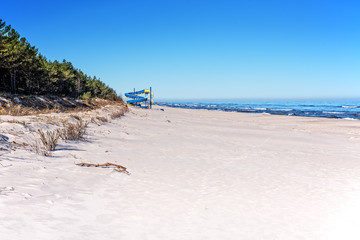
49	139
73	131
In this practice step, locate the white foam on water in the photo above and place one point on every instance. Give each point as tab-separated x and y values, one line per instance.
286	110
334	112
350	106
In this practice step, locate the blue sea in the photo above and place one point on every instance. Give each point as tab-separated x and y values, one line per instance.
328	109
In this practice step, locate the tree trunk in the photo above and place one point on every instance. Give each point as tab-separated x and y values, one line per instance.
78	87
38	86
29	82
12	80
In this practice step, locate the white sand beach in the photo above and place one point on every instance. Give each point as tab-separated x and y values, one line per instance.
195	174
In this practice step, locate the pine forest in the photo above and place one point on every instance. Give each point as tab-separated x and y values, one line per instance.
23	70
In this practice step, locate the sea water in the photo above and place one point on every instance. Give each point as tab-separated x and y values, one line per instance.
347	109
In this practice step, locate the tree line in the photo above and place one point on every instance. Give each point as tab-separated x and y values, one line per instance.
23	70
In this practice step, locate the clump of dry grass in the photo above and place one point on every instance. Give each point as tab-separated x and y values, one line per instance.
118	114
77	117
50	120
49	139
93	120
73	131
16	121
102	119
39	148
18	110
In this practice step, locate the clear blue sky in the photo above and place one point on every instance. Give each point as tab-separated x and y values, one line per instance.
202	49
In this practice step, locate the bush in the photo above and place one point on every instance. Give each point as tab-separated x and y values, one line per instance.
102	119
118	114
49	139
73	131
38	147
86	96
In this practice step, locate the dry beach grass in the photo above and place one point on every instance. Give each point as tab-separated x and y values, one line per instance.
31	105
40	133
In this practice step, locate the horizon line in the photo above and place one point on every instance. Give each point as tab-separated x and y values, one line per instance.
261	99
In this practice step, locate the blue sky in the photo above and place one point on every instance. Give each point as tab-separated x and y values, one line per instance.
202	49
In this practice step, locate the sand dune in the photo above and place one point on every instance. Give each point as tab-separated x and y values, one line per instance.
195	174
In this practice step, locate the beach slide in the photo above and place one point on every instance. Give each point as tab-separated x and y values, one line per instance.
142	98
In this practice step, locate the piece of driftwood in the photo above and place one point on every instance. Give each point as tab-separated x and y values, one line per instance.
117	167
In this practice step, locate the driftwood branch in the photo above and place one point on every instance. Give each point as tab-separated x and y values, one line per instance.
116	167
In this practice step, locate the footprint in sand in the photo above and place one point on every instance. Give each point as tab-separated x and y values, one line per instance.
5	190
8	188
26	195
